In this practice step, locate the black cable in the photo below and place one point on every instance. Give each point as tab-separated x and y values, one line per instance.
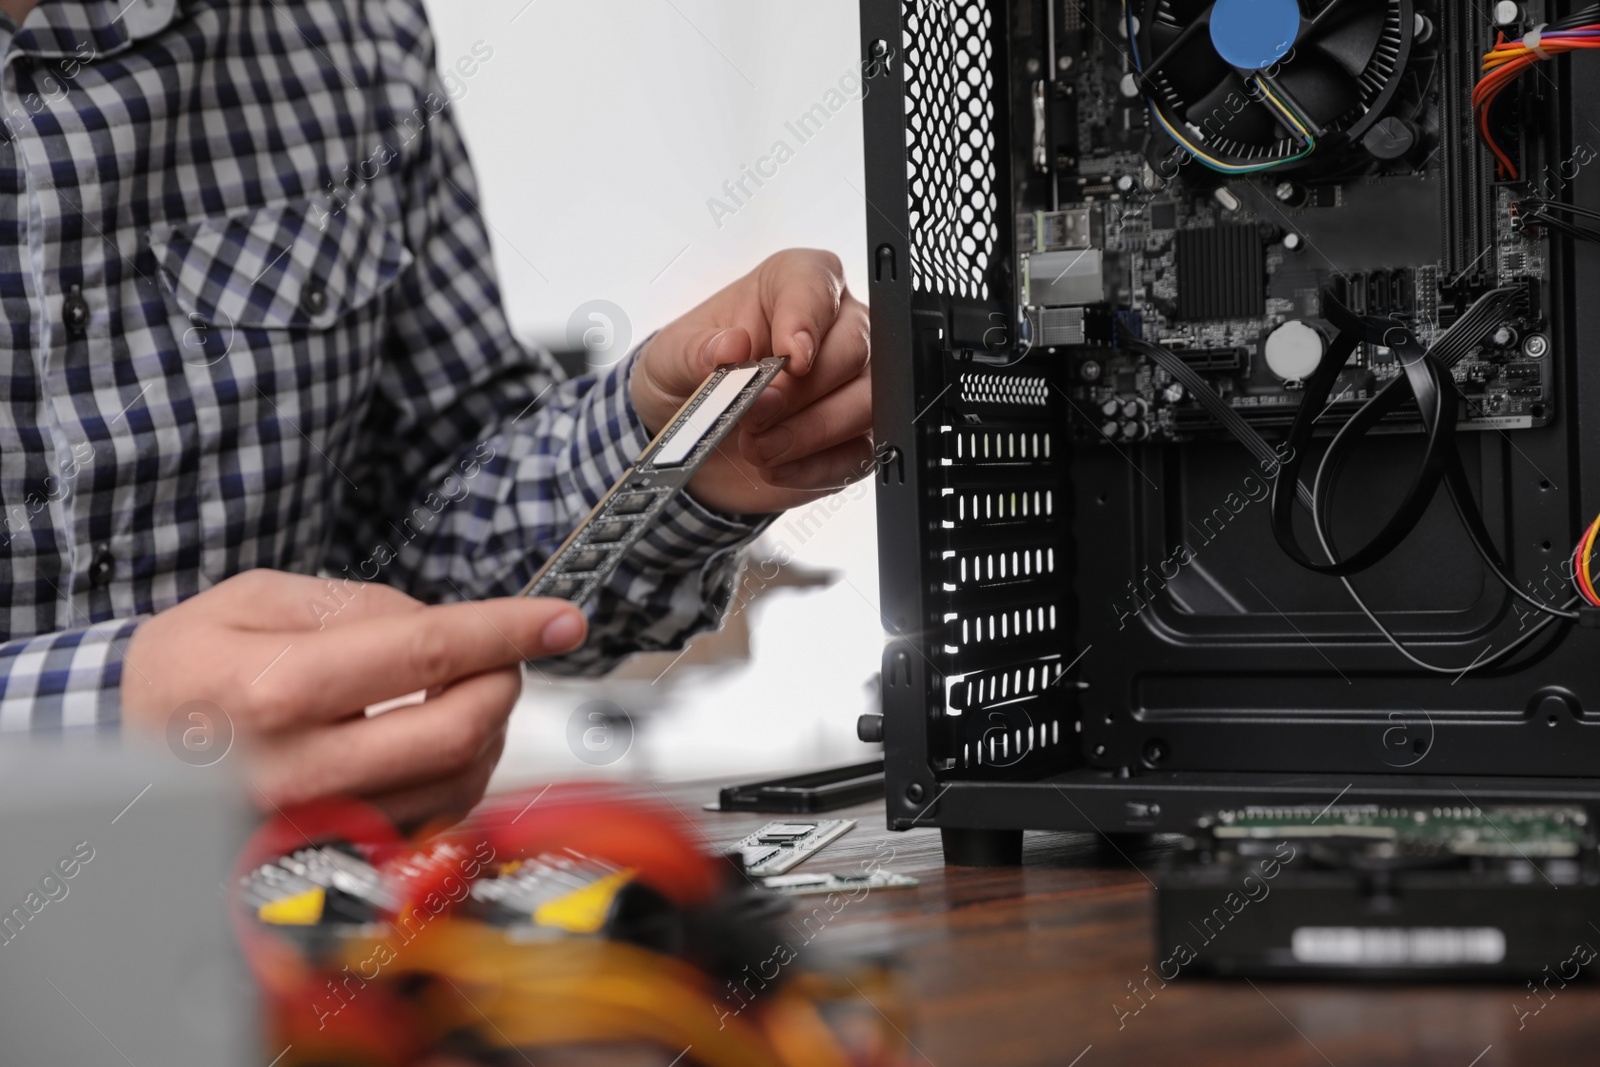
1480	320
1543	204
1219	408
1426	378
1570	229
1493	661
1577	20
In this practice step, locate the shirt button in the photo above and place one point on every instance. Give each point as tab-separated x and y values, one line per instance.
145	17
102	567
313	298
75	314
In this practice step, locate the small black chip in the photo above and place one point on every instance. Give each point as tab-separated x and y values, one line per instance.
565	588
605	533
1164	215
587	560
632	503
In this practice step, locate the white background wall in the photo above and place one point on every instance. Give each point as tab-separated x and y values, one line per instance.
600	129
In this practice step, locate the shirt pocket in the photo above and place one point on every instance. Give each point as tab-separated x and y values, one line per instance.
280	315
289	267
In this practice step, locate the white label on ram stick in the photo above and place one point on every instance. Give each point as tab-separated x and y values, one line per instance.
676	448
1393	946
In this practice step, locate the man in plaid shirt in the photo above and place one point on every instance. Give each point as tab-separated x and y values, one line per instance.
252	333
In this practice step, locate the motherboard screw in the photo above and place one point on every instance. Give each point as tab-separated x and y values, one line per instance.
1536	346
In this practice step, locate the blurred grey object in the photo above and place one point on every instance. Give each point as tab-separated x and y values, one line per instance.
115	947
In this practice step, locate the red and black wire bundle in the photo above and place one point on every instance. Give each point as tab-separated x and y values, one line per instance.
1509	59
1583	565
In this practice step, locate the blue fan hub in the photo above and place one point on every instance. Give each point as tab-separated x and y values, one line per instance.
1254	34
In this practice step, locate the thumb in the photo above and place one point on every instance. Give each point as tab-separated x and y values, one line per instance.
676	369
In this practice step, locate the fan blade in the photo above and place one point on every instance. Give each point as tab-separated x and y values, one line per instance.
1320	87
1173	20
1351	41
1229	111
1194	68
1170	41
1181	12
1322	14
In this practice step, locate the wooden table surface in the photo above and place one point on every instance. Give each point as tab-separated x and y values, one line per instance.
1033	965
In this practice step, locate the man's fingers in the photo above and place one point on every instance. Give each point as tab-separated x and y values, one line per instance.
670	368
279	601
841	416
846	353
446	801
426	743
343	669
346	603
801	291
828	470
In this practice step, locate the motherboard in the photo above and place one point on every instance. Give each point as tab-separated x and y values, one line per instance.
1205	176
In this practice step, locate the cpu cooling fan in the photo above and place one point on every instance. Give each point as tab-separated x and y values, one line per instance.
1248	85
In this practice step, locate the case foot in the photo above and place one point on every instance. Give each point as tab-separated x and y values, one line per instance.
981	848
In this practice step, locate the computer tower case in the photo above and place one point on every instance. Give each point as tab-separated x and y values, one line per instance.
1090	624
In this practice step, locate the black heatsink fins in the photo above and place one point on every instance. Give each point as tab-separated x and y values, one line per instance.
1222	273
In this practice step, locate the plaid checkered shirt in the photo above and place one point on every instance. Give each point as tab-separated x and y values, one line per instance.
250	319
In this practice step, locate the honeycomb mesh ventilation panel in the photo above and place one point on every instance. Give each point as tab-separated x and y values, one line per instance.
950	144
980	388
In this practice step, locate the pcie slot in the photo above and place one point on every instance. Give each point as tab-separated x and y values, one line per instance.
1468	202
1212	359
1188	419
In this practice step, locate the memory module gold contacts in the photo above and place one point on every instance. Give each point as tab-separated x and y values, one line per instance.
588	557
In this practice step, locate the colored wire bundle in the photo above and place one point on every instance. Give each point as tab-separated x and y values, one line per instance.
1508	59
1264	95
1583	564
622	933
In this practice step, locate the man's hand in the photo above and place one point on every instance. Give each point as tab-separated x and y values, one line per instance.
295	686
810	433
